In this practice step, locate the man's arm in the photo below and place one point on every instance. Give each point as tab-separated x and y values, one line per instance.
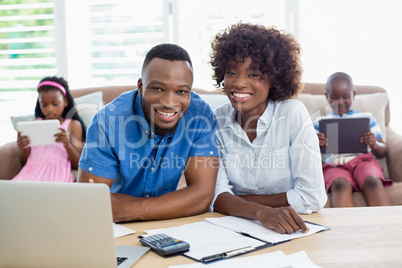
283	219
194	199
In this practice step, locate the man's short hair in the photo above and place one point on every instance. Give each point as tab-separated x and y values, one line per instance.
170	52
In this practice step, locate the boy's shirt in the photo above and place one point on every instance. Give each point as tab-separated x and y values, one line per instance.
344	158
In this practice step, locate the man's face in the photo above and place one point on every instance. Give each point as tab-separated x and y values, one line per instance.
165	88
340	96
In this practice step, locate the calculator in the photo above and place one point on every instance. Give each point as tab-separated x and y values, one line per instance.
164	244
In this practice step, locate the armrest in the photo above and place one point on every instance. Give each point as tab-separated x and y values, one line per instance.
10	160
394	154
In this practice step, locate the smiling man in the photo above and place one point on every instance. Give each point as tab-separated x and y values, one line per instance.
142	142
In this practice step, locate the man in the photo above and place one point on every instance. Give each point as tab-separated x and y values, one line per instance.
141	143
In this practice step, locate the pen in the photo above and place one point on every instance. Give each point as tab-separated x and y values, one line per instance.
238	251
213	257
228	254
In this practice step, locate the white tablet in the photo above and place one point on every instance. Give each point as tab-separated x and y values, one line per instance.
40	132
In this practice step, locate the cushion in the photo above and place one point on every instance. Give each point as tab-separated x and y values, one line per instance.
86	105
214	100
22	118
375	103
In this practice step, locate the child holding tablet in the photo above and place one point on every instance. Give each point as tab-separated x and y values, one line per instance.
53	162
270	160
345	173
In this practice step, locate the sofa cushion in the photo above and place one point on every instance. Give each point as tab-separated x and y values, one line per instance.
374	103
214	100
21	118
87	106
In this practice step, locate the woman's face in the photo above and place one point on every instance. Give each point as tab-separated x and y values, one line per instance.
247	88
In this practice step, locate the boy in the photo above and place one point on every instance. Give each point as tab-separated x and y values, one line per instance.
345	173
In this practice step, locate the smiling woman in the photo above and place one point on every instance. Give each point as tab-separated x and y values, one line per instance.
260	70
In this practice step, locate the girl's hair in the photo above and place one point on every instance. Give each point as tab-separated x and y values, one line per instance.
274	53
70	112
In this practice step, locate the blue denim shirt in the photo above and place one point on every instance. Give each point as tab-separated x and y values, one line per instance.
121	146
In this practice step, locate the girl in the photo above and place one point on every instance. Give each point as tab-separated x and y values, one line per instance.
53	162
270	159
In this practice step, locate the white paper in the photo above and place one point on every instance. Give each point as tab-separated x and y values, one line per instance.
120	230
256	229
207	239
301	260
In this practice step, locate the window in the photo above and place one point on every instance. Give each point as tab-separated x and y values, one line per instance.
106	46
27	44
103	42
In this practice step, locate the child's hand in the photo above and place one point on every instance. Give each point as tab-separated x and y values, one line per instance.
22	141
322	139
62	137
369	139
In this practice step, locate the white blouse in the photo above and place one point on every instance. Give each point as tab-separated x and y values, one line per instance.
284	157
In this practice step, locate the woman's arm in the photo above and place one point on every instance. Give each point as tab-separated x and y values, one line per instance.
283	220
273	200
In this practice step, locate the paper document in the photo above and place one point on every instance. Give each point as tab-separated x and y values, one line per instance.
276	259
256	229
120	230
225	237
207	239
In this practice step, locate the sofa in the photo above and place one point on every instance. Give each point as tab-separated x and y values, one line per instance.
368	99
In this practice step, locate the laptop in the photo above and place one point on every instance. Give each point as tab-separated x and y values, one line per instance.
344	135
50	224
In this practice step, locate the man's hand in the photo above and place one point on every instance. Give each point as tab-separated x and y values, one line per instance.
284	220
322	139
120	206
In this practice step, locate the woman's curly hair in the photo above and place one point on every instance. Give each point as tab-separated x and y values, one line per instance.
274	53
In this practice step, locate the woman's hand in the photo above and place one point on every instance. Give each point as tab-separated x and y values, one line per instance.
284	220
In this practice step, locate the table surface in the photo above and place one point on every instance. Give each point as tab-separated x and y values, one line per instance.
359	237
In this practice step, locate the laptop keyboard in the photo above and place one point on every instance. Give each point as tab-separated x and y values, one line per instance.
120	260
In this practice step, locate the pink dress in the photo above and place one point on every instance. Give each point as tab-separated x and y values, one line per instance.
47	163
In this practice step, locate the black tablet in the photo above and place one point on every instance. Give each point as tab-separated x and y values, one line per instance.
344	135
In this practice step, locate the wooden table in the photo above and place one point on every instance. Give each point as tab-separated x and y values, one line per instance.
359	237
